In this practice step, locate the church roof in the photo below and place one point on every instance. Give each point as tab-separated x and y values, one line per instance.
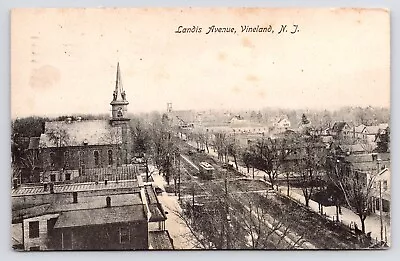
79	133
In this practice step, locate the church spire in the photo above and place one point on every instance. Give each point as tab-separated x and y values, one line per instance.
118	86
119	103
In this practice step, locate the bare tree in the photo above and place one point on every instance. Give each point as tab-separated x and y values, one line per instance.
233	149
221	146
269	157
311	163
59	137
264	231
356	186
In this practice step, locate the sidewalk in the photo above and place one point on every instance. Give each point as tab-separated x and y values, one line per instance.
372	222
178	230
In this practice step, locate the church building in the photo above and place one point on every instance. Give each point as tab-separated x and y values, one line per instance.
76	149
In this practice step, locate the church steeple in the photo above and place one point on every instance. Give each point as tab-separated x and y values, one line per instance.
119	103
119	89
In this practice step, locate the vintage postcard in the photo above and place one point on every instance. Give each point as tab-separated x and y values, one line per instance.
200	128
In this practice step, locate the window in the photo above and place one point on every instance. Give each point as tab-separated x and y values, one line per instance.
110	157
66	158
385	185
50	225
34	229
67	176
52	177
124	235
52	159
377	203
81	158
374	157
35	248
83	170
96	157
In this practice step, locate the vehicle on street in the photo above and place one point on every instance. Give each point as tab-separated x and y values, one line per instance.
206	170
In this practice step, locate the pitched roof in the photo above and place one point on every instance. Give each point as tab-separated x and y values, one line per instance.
338	126
185	116
359	128
76	133
352	148
366	163
383	125
100	216
372	129
155	208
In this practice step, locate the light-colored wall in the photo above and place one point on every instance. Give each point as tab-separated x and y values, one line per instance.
40	241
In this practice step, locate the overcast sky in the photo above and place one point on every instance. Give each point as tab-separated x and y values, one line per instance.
64	61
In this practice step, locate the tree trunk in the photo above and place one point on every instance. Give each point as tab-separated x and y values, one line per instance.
337	212
175	186
288	184
362	219
307	199
234	158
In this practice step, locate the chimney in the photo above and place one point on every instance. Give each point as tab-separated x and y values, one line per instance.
108	202
75	197
51	188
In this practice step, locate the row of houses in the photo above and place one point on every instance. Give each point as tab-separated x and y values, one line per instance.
343	130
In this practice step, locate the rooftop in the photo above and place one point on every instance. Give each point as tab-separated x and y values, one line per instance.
160	240
100	216
62	188
78	133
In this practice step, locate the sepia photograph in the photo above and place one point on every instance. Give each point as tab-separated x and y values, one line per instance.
200	129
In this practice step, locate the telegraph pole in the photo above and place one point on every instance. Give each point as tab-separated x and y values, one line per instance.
227	211
380	200
380	208
179	178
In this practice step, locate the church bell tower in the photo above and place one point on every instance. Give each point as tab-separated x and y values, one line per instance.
119	104
119	119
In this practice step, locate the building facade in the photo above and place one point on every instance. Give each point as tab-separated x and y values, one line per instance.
68	149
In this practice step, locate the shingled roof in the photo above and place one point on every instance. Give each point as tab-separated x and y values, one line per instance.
78	133
100	216
338	126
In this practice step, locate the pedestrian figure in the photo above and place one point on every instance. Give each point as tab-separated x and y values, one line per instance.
359	233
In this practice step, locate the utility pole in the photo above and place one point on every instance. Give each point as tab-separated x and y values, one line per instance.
179	178
227	211
380	208
380	200
192	202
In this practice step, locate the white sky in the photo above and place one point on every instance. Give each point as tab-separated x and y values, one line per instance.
64	60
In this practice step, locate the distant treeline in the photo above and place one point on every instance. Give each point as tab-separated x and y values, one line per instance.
323	118
33	126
